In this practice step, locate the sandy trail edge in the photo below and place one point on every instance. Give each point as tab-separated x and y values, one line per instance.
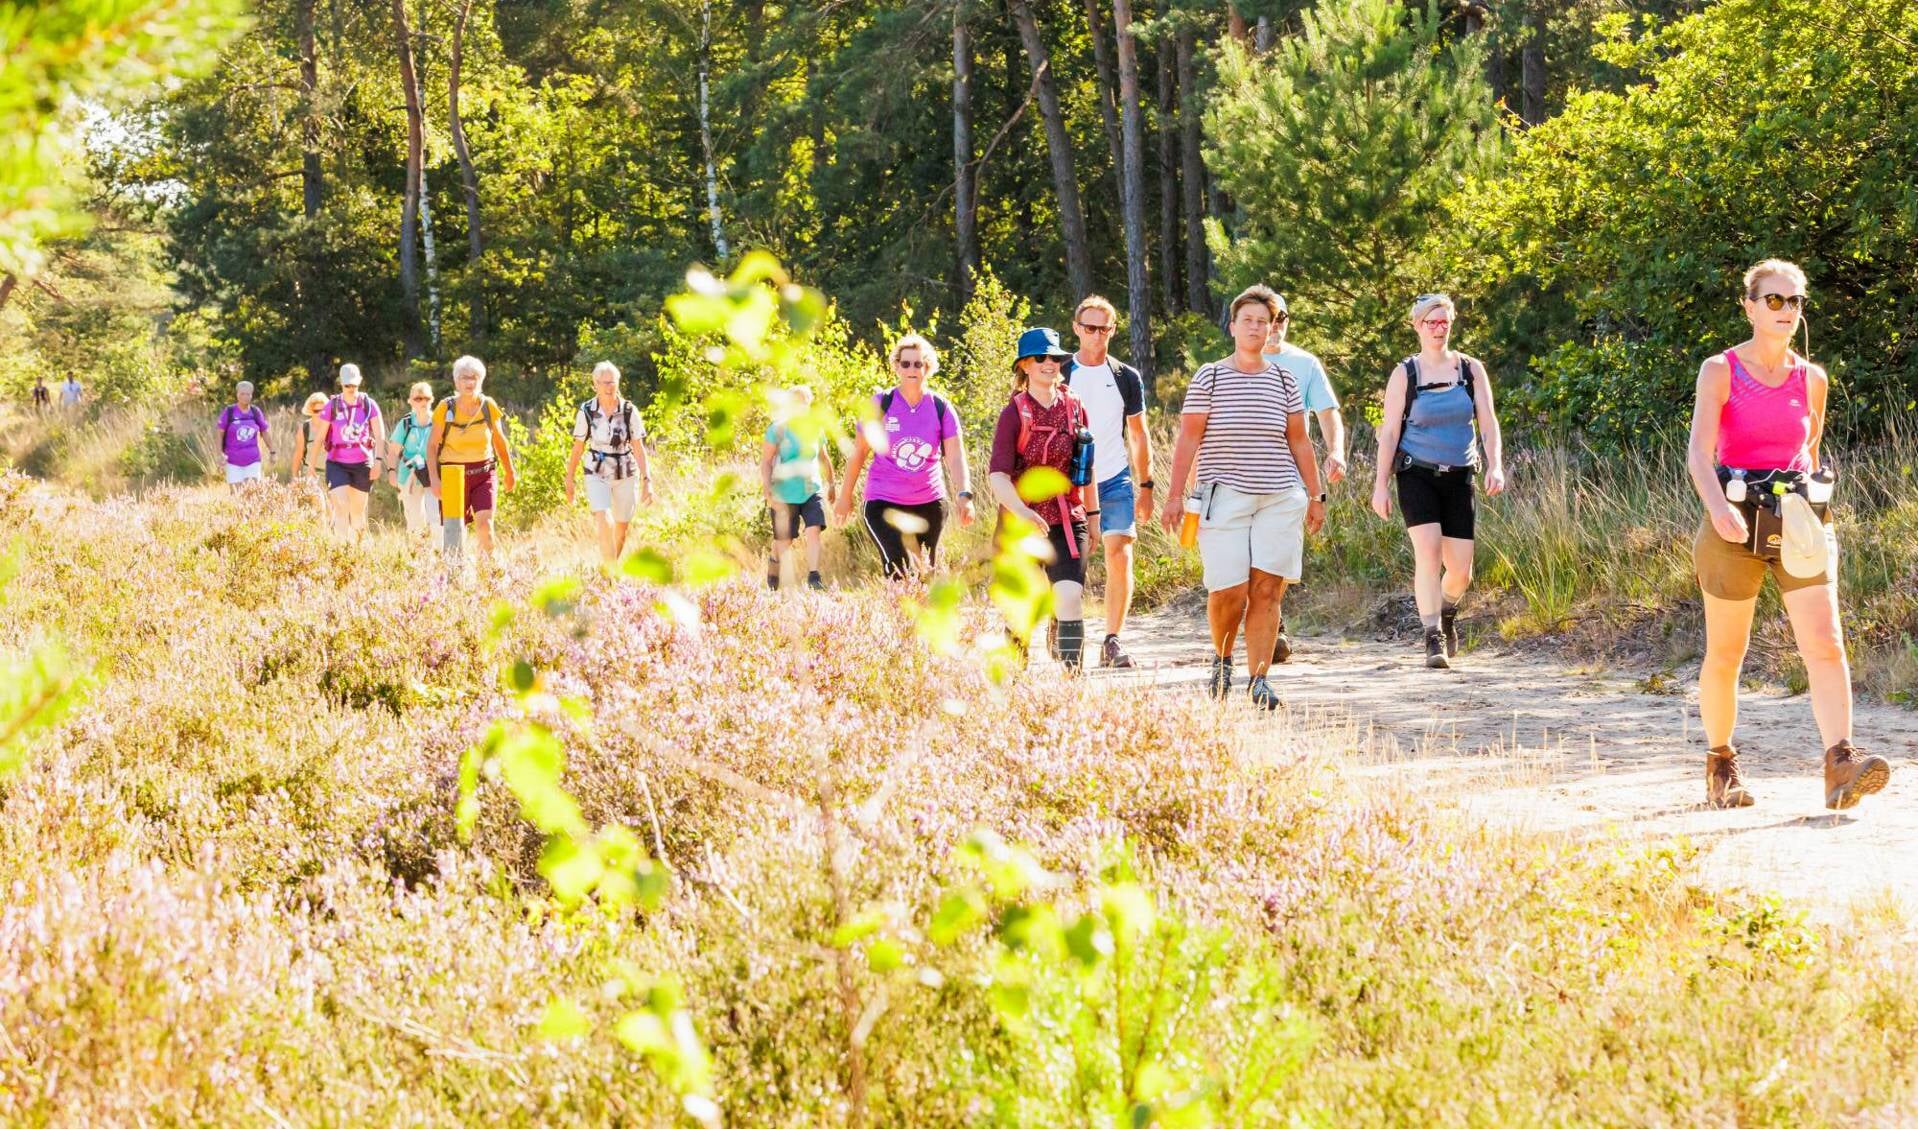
1521	737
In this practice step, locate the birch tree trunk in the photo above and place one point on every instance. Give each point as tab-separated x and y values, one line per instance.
965	196
1065	185
1132	201
469	177
410	203
706	130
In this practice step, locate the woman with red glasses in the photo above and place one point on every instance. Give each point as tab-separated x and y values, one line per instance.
1757	420
1437	432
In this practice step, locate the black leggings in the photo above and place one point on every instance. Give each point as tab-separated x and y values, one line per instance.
893	542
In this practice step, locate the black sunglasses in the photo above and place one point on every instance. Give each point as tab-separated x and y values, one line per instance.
1084	328
1780	301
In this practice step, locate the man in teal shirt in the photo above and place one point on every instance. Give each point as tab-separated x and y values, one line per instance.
797	477
1320	401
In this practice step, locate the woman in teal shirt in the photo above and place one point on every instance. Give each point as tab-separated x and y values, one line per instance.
797	477
406	454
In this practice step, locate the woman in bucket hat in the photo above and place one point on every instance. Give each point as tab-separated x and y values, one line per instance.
1044	425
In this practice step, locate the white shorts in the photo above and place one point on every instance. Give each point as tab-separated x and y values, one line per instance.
621	497
235	475
1239	532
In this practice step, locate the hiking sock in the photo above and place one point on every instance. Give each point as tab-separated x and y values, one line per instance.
1072	642
772	580
813	581
1448	626
1431	622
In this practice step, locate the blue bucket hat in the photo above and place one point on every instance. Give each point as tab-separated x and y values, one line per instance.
1040	342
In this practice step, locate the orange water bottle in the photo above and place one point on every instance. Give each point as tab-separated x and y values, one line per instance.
1189	525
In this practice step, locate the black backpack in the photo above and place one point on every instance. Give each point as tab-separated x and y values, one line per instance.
1467	376
939	405
620	428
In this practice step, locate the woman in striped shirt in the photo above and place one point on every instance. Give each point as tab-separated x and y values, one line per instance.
1259	490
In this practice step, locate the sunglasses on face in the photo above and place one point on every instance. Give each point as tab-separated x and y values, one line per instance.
1780	301
912	366
1054	361
1084	328
1281	319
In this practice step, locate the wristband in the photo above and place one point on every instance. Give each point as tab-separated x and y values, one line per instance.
1146	485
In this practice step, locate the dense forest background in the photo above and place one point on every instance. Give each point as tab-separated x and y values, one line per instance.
396	183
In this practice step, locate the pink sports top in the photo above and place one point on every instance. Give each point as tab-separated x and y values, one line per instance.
1765	428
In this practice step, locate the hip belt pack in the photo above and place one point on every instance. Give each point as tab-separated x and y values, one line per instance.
1760	494
1407	462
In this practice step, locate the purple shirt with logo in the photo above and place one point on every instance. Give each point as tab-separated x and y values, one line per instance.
350	438
240	433
907	457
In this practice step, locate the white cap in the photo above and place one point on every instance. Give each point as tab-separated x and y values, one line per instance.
1805	548
349	374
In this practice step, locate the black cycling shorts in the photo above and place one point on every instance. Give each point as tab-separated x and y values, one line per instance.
1064	566
1445	499
893	541
357	475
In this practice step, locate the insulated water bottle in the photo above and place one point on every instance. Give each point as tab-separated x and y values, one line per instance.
1082	457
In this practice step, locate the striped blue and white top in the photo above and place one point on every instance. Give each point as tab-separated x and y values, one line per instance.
1244	445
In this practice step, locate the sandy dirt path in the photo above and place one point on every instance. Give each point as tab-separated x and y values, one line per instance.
1519	736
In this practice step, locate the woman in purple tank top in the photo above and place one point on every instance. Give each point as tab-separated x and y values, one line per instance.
1758	418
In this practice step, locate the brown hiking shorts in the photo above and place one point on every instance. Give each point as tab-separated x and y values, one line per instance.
1729	570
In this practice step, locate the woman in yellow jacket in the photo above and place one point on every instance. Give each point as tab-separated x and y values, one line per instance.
467	435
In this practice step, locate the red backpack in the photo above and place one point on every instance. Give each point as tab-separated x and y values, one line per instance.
1028	428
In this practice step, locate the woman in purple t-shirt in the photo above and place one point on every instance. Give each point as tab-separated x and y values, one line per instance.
244	437
915	446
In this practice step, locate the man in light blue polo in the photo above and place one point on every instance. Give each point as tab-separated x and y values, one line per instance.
1320	401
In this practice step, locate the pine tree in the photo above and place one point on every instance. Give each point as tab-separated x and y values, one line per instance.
1341	147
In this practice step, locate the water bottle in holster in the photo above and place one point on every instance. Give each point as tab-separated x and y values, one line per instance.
1082	457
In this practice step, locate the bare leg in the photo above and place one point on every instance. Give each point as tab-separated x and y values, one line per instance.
1223	611
1118	581
1728	627
1262	621
337	507
483	532
1427	561
1456	552
812	548
1821	643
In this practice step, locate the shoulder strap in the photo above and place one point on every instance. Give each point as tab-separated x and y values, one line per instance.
1468	376
940	412
1022	400
885	400
1411	389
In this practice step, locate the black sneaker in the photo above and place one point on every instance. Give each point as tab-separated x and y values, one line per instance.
1114	655
1435	650
1448	624
1263	696
814	582
1221	683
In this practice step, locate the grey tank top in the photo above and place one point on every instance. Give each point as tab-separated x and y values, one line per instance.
1442	429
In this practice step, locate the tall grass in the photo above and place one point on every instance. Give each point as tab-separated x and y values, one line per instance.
235	894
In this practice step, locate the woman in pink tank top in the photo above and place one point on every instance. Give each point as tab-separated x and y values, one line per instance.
1761	407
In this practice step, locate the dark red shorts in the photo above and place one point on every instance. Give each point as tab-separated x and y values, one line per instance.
479	489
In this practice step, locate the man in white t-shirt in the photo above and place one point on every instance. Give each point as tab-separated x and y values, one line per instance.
71	392
1114	397
1320	401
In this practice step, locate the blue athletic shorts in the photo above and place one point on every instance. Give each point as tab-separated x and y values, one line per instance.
1118	505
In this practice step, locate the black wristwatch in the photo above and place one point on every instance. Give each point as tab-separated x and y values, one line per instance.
1146	485
1320	497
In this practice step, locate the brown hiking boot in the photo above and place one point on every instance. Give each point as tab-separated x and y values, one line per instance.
1851	775
1723	786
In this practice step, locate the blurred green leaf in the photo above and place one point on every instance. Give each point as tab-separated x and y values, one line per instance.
1042	484
563	1019
958	912
648	565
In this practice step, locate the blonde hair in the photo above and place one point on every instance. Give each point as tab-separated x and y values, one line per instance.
420	386
1097	302
1426	303
926	352
315	402
1773	268
470	364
